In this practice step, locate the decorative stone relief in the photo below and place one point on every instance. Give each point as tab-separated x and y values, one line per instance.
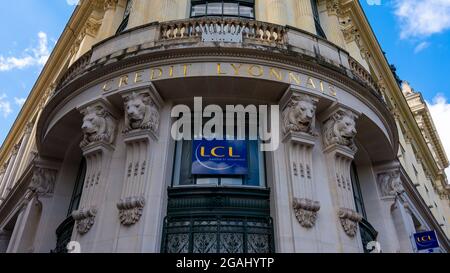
349	221
390	183
340	129
43	181
85	219
130	210
140	113
110	4
99	129
333	7
300	114
98	126
142	120
306	211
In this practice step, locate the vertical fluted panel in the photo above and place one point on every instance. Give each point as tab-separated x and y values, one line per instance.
277	12
303	15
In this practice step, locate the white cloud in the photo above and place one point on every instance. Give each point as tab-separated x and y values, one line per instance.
35	56
5	106
72	2
422	18
440	111
19	101
373	2
421	46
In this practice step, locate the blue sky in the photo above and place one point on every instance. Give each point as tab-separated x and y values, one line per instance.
415	34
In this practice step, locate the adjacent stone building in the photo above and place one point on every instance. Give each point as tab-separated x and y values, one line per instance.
91	159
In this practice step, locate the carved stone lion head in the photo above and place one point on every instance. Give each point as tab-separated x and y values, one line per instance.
140	112
300	114
94	121
341	129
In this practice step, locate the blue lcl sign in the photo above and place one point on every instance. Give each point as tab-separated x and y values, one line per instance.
426	240
216	157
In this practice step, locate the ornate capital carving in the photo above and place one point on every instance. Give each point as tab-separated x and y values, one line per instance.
141	112
340	128
333	7
130	210
29	127
98	125
92	26
15	149
85	219
390	183
306	211
110	4
43	181
300	114
349	221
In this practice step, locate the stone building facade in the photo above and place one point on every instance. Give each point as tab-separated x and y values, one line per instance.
91	159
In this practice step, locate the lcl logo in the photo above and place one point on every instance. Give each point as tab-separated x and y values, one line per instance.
218	151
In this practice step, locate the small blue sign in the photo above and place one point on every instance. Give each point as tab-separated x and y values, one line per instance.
426	240
213	157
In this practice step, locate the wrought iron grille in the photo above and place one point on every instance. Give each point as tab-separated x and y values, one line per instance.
368	233
63	235
218	234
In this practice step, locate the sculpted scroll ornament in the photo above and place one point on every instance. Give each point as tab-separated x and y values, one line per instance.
130	210
98	125
340	129
349	220
85	219
390	183
140	113
306	211
43	181
299	115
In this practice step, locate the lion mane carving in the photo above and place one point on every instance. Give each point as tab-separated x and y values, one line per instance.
390	183
299	115
98	125
43	181
340	129
140	113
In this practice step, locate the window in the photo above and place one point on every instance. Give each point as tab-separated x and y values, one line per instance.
78	189
183	167
236	8
315	10
126	17
357	195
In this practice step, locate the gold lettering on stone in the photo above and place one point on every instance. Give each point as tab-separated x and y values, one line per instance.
294	77
251	71
236	68
310	82
152	73
123	81
219	70
138	77
106	87
276	73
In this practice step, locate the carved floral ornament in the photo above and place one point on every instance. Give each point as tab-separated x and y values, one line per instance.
98	126
130	210
306	211
141	113
85	219
349	221
340	129
300	114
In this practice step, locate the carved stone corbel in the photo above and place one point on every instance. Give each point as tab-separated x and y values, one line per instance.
85	219
43	181
390	183
349	220
130	210
306	211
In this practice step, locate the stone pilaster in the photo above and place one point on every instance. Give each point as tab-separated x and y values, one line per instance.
339	130
142	120
99	129
298	115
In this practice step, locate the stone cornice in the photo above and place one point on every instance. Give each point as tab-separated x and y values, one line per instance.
394	91
48	74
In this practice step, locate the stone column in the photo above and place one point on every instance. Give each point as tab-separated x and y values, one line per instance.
298	112
277	11
303	15
114	11
339	130
391	190
141	127
19	158
329	10
4	184
97	146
